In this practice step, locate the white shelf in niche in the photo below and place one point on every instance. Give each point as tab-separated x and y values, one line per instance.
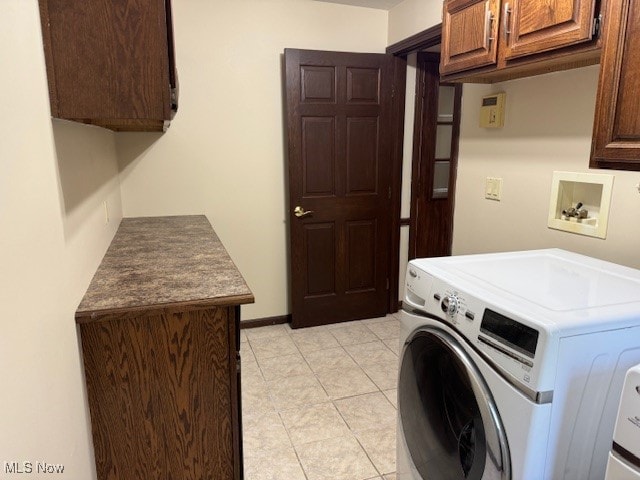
590	189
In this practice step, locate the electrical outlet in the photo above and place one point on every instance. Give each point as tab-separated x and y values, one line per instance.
493	188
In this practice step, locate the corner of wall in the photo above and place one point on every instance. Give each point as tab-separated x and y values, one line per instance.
412	16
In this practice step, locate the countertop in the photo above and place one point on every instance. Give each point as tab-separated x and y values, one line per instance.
156	262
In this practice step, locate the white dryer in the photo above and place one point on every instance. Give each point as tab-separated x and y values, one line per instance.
624	458
512	365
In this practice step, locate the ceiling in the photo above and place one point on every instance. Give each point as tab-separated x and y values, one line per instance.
379	4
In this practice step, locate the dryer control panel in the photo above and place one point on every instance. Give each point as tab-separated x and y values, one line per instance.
511	345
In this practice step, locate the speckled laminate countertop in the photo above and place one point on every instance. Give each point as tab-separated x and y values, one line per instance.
163	261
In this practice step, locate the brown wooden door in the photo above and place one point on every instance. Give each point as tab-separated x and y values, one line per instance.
616	128
435	152
532	26
339	136
469	30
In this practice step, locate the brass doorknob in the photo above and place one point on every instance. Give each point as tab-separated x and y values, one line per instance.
301	212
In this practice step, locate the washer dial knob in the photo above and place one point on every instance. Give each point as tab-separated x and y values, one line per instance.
450	305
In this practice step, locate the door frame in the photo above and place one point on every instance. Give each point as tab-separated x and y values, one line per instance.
425	123
397	122
421	40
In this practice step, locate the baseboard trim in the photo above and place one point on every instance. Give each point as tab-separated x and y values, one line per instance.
264	322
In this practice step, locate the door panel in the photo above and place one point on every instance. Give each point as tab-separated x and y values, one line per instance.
361	245
362	155
339	138
318	156
363	85
320	256
532	26
318	84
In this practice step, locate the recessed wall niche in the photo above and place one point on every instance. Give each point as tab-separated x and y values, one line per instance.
580	203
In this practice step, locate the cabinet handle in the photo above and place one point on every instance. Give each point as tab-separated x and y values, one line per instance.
488	29
507	20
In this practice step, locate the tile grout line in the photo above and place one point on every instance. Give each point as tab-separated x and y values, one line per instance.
331	400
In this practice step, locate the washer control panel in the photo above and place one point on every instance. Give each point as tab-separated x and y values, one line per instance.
507	342
509	337
449	305
454	305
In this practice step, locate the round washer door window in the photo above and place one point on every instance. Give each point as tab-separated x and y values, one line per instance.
450	423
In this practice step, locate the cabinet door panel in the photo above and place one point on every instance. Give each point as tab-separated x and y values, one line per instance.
616	137
469	29
110	63
532	26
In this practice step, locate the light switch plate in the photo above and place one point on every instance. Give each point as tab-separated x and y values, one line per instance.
493	188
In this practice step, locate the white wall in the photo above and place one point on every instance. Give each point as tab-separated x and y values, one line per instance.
53	180
549	122
224	152
413	16
548	126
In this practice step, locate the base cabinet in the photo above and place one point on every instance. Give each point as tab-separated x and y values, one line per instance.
164	394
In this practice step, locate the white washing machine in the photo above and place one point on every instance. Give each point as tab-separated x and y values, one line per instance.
624	458
512	365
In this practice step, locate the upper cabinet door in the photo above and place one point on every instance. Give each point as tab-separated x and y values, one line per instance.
534	26
616	131
469	30
110	63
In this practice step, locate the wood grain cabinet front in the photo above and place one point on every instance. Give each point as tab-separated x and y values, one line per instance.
109	63
160	333
494	40
616	131
163	394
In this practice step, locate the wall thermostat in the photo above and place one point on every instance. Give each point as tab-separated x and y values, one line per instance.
492	110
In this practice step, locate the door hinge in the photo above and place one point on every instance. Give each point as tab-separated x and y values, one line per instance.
597	26
389	193
387	284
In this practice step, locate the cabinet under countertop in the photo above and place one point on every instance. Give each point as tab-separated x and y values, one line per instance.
159	327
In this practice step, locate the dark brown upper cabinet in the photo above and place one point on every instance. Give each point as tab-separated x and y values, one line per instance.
486	41
110	63
616	131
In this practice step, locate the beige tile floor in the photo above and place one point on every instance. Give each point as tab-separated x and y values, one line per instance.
320	403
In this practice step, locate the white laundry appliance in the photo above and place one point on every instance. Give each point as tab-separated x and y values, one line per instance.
512	365
624	458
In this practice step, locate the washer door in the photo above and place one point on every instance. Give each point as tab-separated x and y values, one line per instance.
450	422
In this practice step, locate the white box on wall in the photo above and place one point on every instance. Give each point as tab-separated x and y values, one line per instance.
592	191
